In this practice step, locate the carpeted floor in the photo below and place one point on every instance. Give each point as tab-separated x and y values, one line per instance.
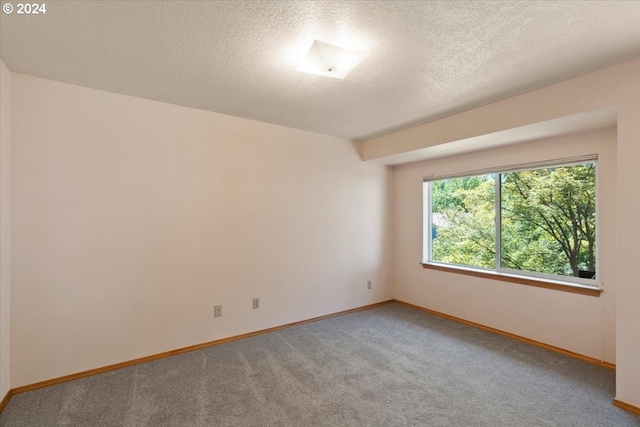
388	366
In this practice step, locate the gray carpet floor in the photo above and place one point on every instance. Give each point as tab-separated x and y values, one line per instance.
388	366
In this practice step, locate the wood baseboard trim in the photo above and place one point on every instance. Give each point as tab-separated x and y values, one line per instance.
175	352
514	336
626	406
5	400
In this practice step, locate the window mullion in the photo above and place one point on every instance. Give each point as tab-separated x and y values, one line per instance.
498	220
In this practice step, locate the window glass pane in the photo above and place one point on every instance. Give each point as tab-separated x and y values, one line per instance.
548	220
463	226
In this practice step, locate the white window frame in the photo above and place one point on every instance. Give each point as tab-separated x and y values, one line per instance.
428	220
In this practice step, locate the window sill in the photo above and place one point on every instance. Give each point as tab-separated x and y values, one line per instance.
522	280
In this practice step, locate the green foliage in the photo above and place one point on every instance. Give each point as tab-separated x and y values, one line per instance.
551	213
449	194
466	233
547	220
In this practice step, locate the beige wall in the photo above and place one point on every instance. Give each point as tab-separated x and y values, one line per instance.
617	86
628	301
132	218
579	323
5	227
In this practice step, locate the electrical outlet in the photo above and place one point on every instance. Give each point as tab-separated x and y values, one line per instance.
217	311
256	303
369	284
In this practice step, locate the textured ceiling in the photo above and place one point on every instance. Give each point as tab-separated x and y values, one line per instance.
425	60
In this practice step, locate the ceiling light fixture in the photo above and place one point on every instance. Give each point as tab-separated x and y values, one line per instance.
328	60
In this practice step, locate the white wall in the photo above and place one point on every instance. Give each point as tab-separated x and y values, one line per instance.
132	218
583	324
5	227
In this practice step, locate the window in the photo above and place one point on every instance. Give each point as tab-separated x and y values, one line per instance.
536	220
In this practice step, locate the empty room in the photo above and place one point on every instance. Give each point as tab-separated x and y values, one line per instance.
319	213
